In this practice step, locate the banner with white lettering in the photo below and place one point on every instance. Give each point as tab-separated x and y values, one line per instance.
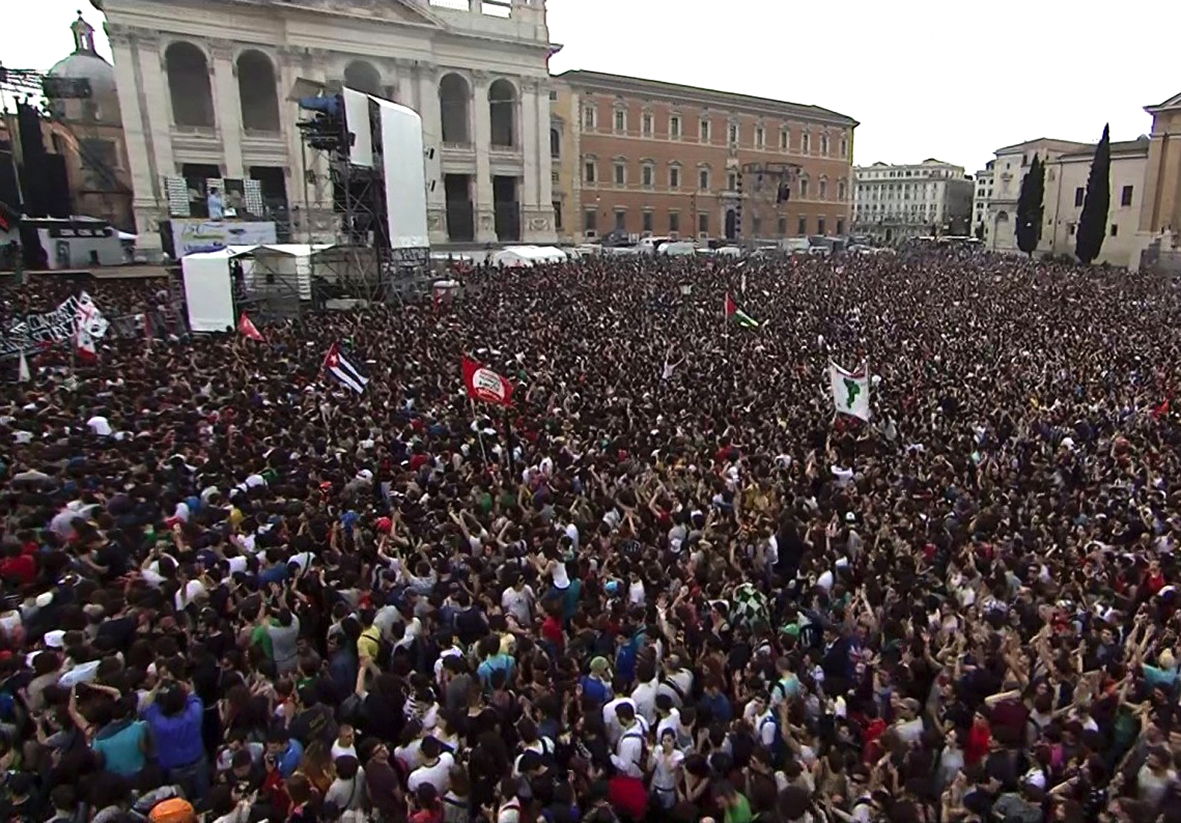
54	327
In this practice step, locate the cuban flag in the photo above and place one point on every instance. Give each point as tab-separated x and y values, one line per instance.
343	369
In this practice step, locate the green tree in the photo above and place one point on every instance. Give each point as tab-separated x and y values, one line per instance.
1030	207
1092	224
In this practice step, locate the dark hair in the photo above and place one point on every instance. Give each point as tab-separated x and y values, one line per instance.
346	766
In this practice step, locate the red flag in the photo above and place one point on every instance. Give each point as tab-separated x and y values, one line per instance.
1161	410
485	384
246	328
731	306
332	358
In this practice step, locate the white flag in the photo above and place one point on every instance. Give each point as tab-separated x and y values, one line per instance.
23	375
850	390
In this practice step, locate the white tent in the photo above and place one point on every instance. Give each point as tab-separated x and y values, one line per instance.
527	256
208	286
289	262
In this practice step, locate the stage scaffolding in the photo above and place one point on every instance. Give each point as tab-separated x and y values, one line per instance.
763	192
345	208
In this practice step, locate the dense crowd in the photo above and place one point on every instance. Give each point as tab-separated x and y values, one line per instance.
669	584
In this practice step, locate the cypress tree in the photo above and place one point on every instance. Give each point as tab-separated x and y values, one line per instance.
1030	207
1092	224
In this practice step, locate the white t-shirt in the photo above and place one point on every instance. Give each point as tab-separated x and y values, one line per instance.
438	775
99	425
635	593
192	590
518	603
664	768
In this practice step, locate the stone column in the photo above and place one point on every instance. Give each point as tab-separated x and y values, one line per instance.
407	91
228	106
145	181
535	125
426	103
485	213
153	80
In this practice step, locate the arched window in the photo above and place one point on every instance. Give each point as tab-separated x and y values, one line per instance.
555	143
361	76
502	105
257	91
454	95
188	84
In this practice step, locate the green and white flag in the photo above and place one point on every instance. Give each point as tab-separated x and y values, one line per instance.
850	390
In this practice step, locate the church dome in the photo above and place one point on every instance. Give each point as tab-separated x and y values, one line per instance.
86	64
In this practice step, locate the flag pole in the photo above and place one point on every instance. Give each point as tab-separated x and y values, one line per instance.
508	441
479	431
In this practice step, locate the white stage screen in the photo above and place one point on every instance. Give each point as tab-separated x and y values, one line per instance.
356	118
405	176
208	291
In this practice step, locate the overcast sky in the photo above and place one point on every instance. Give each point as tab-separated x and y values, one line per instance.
925	79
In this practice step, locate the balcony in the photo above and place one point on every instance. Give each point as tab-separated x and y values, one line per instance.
458	153
196	139
264	144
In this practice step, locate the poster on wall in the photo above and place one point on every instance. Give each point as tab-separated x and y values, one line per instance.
189	236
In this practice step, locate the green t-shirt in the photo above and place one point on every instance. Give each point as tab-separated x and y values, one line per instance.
740	811
261	636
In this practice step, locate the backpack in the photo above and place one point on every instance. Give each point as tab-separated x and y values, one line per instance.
778	745
672	684
642	761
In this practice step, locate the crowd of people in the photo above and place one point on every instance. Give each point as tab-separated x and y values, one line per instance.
668	584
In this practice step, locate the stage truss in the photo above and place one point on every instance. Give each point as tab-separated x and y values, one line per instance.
761	187
346	207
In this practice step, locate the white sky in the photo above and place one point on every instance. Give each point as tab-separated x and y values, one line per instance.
925	79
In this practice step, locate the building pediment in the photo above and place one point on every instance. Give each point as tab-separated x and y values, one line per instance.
392	11
1173	102
406	12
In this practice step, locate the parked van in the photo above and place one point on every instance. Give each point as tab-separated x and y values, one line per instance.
678	248
651	245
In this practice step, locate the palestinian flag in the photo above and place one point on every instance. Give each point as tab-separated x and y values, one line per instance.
737	315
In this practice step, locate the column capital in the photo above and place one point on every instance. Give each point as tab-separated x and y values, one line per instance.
144	36
117	34
221	49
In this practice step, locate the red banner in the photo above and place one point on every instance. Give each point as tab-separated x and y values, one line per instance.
486	385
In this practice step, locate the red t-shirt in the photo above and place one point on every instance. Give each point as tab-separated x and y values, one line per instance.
551	630
978	739
628	796
22	569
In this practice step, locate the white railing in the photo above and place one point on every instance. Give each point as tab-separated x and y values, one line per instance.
492	8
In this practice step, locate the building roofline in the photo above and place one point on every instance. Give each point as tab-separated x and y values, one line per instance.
1172	103
678	91
928	162
1038	140
1120	147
